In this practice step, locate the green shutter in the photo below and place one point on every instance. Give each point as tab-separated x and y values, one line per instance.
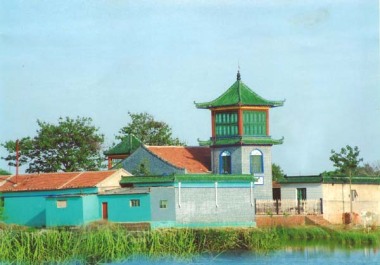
254	123
226	124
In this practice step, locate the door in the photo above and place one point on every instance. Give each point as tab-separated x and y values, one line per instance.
105	211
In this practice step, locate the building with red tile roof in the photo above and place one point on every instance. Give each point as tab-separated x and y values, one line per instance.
168	160
58	198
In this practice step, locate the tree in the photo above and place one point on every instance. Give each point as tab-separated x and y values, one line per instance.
148	130
4	172
347	161
71	145
277	172
372	170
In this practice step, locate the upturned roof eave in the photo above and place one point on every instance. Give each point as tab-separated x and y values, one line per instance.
209	105
129	144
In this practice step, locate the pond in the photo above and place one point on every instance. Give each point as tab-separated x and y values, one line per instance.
307	255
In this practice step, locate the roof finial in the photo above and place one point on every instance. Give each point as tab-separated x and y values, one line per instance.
238	73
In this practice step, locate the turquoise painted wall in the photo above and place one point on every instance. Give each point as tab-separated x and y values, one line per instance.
120	210
90	209
71	215
28	208
25	211
79	210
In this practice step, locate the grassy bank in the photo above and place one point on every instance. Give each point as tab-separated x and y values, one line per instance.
112	243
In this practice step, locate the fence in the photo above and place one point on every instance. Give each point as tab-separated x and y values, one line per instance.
290	207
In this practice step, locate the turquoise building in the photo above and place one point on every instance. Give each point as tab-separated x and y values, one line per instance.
56	199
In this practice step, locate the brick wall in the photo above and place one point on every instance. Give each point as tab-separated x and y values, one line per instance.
270	221
204	205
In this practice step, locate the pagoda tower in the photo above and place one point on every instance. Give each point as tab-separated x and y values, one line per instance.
240	141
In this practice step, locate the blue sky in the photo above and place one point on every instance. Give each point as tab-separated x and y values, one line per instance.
101	59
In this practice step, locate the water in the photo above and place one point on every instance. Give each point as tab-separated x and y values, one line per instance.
308	255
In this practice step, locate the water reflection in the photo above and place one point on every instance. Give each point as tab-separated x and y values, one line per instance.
316	255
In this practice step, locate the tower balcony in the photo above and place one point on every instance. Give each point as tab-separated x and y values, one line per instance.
241	140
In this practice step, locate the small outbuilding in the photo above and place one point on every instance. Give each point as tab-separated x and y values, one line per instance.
56	199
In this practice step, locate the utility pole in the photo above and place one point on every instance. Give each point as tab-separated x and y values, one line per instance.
17	154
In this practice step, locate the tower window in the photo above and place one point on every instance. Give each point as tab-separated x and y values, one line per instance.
226	124
257	165
255	122
225	163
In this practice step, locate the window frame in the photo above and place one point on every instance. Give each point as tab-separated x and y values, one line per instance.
255	123
225	156
163	204
303	193
226	124
134	203
61	204
252	154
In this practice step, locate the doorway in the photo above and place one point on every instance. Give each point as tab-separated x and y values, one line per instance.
105	211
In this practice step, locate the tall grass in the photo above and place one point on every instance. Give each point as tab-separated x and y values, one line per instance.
93	245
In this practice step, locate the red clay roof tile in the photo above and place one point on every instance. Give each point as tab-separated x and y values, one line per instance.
193	158
54	181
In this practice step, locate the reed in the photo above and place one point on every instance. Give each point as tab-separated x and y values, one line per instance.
92	245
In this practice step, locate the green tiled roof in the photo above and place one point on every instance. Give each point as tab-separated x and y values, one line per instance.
187	178
232	140
342	179
127	146
300	179
150	179
214	177
239	94
336	179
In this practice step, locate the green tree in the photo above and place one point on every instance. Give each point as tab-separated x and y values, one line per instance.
148	130
71	145
347	160
4	172
367	169
277	172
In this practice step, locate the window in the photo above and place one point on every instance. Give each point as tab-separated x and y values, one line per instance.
226	124
225	163
163	204
255	122
134	203
257	165
301	194
61	204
